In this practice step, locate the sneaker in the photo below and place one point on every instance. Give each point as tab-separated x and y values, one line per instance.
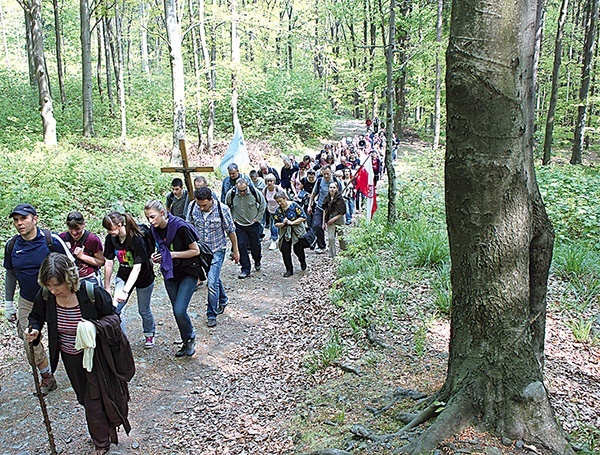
100	451
149	343
243	275
188	348
211	322
273	245
257	267
319	250
48	383
303	266
288	273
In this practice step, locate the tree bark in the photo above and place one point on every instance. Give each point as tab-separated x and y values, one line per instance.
120	70
500	236
588	56
437	116
109	64
59	60
29	45
210	74
177	77
33	11
562	18
235	61
196	51
4	42
86	68
389	163
144	38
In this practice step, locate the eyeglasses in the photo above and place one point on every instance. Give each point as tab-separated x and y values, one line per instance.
74	217
243	191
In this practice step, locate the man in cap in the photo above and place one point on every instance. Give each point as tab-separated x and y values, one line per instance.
23	256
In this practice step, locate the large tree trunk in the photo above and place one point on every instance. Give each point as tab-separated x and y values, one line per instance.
29	45
562	18
59	60
588	54
500	237
33	11
86	68
177	77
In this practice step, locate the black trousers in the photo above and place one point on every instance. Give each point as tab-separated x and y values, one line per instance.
87	390
286	252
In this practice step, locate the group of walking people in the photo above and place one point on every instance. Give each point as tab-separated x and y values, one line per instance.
61	286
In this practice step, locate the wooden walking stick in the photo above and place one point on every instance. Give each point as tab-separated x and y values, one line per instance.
38	391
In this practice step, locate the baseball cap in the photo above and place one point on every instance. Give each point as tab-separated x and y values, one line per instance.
24	210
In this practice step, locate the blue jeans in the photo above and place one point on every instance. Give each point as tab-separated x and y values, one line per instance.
180	293
248	236
216	291
143	300
318	227
349	210
271	223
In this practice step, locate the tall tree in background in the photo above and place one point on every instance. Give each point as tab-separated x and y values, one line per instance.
584	90
59	60
33	12
235	61
558	49
4	42
86	67
177	76
144	38
500	236
389	163
437	116
210	74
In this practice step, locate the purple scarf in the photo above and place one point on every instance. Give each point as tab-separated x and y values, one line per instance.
173	225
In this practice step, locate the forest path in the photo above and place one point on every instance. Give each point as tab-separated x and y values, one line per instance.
236	395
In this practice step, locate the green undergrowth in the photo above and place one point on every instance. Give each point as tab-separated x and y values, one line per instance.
391	276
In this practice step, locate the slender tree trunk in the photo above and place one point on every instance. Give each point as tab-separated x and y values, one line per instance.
144	38
29	44
235	61
389	162
120	71
210	77
437	116
86	68
33	11
109	65
588	54
562	18
500	236
177	76
4	42
99	59
196	50
59	60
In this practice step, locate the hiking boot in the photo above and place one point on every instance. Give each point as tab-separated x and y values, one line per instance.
149	343
101	451
188	348
48	383
211	322
243	275
257	266
288	273
221	307
303	265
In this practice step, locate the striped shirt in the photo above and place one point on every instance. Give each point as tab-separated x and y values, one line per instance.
67	320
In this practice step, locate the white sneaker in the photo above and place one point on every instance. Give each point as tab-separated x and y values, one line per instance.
319	250
273	245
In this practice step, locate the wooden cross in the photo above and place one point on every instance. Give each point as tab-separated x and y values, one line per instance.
186	170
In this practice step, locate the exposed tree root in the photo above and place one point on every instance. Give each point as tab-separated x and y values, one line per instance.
329	452
347	368
399	394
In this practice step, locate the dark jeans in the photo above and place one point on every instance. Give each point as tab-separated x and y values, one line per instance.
87	391
318	227
286	252
248	236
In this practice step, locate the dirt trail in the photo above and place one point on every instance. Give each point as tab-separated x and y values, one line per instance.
236	395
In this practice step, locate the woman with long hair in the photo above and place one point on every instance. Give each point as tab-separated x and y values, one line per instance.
125	243
178	256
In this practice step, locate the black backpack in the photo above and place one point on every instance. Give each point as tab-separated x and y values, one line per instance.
149	242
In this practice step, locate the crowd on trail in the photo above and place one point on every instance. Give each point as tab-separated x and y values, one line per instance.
306	205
